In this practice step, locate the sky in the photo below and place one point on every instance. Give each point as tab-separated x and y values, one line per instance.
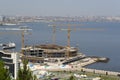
60	7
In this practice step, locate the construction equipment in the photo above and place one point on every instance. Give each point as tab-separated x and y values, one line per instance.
54	30
22	29
54	33
74	29
69	30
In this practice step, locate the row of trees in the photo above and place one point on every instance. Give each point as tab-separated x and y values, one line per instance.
4	73
23	73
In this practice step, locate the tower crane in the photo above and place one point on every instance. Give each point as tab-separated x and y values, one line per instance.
69	30
74	29
22	29
54	33
54	30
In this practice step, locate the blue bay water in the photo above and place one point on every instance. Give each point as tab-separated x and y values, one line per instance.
105	43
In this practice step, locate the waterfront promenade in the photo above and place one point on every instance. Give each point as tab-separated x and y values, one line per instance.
101	71
77	66
86	70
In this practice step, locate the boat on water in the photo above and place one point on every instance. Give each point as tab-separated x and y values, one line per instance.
8	24
10	45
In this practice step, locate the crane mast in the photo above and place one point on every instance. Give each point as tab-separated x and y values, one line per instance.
22	29
69	29
74	29
23	41
54	34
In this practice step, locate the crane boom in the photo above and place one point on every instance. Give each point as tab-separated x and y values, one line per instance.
74	29
23	30
68	35
69	29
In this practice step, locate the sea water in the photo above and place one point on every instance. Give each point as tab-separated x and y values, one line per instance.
103	40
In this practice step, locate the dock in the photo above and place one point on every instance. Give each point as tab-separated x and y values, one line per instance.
77	66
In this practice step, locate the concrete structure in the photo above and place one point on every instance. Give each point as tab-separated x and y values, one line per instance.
49	51
11	61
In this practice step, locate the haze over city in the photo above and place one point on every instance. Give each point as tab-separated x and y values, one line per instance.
59	39
60	7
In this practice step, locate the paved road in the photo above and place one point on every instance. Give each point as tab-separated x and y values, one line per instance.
86	70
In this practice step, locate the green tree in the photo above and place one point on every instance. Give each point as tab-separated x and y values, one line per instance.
4	72
72	78
25	73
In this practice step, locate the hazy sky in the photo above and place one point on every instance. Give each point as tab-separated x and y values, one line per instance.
60	7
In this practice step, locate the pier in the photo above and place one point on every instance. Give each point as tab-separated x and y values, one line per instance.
77	66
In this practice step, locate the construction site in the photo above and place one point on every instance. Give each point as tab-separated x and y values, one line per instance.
52	57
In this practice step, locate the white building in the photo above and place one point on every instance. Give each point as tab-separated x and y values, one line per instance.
11	61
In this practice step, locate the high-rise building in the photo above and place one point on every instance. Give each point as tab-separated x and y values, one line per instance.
11	61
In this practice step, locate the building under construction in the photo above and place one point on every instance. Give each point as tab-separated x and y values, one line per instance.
49	51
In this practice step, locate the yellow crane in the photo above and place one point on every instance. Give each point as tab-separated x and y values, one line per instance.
22	29
54	33
74	29
68	35
54	30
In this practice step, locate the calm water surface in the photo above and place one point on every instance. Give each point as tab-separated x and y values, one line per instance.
104	43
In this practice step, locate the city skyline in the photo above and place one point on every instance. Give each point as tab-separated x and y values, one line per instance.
60	7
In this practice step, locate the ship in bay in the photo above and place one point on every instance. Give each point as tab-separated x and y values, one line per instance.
10	45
